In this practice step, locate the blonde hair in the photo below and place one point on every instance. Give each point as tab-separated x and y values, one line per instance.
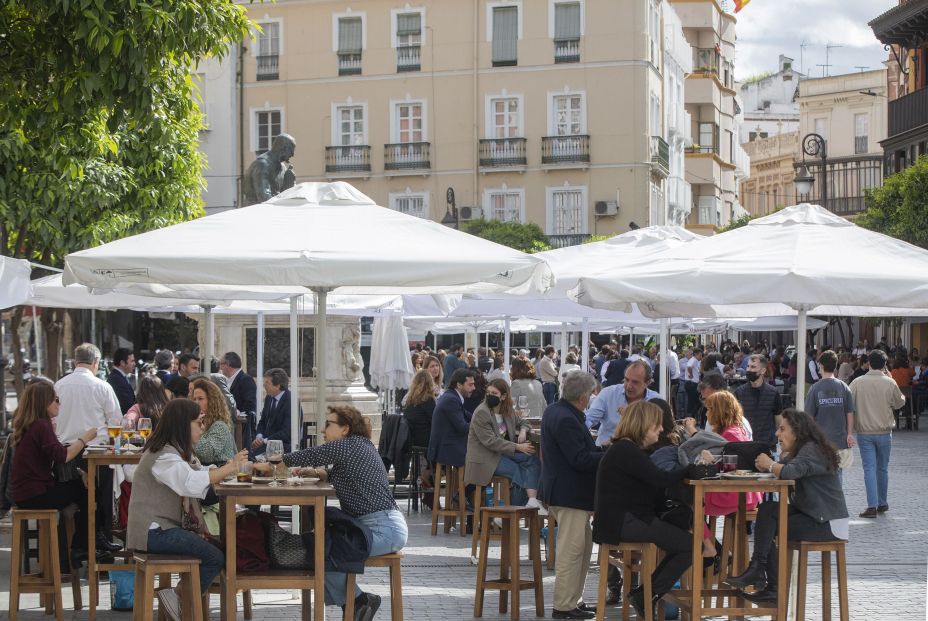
723	411
215	403
640	417
421	389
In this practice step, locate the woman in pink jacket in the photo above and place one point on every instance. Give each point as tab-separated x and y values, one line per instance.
726	418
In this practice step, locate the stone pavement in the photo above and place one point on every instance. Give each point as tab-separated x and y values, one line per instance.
886	562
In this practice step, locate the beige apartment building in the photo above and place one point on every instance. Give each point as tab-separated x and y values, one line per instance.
770	185
545	111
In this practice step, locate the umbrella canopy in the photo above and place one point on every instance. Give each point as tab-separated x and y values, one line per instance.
14	281
391	366
50	292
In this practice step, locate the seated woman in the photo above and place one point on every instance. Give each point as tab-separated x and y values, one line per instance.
524	384
420	404
817	510
356	472
166	480
35	451
217	445
628	488
497	445
150	400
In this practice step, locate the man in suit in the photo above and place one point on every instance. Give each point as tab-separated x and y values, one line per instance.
244	390
164	363
454	361
275	416
451	422
123	364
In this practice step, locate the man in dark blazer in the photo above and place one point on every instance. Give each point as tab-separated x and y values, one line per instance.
568	484
451	422
123	364
164	363
275	416
243	389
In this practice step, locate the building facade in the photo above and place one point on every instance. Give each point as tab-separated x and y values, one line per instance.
217	88
678	125
770	185
770	105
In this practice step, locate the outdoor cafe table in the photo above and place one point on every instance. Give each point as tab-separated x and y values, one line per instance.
693	598
95	460
307	495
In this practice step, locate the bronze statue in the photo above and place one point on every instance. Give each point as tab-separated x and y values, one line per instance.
271	173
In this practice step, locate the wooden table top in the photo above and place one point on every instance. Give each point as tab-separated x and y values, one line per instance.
109	458
306	490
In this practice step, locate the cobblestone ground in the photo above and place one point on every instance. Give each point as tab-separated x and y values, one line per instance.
886	562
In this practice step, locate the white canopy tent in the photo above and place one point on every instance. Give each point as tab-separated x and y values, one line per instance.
391	365
14	281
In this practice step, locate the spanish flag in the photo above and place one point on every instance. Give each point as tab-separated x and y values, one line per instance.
739	4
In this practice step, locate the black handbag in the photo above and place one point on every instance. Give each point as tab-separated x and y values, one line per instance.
747	452
69	471
702	471
285	550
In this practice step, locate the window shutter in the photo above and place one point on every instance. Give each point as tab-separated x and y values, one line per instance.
349	35
567	21
408	24
505	34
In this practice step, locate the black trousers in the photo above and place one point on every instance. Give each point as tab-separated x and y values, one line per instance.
677	544
58	497
799	527
692	398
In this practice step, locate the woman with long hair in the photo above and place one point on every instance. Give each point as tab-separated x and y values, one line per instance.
420	403
36	450
437	372
167	481
497	444
150	400
524	384
356	471
217	445
817	509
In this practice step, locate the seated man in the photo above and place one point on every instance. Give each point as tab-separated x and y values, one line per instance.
275	416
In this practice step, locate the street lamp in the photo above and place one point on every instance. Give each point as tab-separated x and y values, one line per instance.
803	180
450	218
813	145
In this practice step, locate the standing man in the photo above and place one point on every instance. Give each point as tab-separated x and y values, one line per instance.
275	416
609	405
454	361
547	372
830	403
568	484
691	385
876	395
188	366
123	364
243	389
87	401
760	401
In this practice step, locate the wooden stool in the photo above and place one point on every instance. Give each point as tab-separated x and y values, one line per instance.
640	558
826	548
150	566
396	585
733	560
453	512
48	581
500	492
215	589
509	571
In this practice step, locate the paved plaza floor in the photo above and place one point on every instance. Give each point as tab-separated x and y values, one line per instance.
886	562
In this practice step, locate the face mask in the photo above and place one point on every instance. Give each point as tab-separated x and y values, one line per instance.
751	376
492	401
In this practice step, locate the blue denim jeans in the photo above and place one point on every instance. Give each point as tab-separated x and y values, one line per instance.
874	456
549	390
180	541
523	470
389	535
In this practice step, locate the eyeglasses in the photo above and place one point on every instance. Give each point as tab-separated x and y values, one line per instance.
330	422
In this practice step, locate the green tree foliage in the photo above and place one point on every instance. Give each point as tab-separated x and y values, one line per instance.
900	207
735	224
524	237
98	117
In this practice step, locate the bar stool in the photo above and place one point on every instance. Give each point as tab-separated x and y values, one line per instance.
509	572
640	558
392	561
215	589
732	562
150	566
452	512
500	487
416	453
826	548
47	583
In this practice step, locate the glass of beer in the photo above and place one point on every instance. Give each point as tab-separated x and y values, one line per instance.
113	432
144	427
127	431
244	472
275	455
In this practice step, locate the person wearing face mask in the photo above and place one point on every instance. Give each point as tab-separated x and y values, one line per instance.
497	445
760	401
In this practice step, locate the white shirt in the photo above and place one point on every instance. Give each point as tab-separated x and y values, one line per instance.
173	471
567	368
692	370
86	402
673	364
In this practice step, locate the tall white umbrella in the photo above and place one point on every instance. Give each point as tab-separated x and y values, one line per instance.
391	365
14	281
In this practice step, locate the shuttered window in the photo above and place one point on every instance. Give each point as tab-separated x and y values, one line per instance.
349	35
505	36
567	21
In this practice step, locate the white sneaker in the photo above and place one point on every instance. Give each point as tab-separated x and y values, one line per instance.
170	603
533	503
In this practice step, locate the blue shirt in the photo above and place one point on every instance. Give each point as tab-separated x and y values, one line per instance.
605	410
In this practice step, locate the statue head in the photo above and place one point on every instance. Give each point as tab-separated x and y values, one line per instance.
283	147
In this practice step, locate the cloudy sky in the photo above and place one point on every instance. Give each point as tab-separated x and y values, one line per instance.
768	28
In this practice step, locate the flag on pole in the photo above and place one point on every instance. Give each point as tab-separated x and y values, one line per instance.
739	4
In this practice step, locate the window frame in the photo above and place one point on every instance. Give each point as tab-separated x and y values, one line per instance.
489	193
496	4
255	47
550	191
394	23
335	20
253	115
394	118
551	14
424	195
336	121
489	114
552	109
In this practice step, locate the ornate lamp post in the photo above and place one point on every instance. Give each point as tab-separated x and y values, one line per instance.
813	145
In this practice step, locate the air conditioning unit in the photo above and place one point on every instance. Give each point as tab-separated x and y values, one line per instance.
606	208
470	213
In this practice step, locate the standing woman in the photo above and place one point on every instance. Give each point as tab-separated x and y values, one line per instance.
166	480
217	445
151	400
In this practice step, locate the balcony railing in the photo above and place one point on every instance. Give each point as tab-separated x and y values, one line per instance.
660	155
707	60
567	51
406	156
268	67
353	159
861	144
565	149
562	241
908	112
349	63
501	152
707	137
408	58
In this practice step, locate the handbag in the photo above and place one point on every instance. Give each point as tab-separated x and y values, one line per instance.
747	452
286	551
702	471
69	471
251	542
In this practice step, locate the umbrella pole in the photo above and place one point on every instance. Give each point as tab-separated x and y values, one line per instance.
295	352
320	341
207	353
38	344
801	358
506	344
664	381
93	326
585	347
259	385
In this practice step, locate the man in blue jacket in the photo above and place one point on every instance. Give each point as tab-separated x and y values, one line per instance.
275	417
451	422
568	482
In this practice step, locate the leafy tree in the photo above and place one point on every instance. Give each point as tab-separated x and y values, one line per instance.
525	237
736	223
900	207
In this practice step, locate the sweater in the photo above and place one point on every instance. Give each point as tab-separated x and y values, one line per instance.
419	419
875	397
761	407
33	458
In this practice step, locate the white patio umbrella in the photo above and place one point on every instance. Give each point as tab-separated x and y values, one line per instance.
322	236
391	366
785	258
14	281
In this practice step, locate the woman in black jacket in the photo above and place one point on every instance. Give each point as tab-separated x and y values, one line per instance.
629	488
420	404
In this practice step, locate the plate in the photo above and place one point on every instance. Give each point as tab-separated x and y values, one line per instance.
751	476
98	448
235	484
261	479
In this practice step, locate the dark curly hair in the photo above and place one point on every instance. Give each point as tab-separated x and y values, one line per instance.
807	430
348	416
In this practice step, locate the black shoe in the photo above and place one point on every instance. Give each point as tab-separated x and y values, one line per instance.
882	508
755	575
104	557
636	599
576	613
586	608
765	596
105	544
373	605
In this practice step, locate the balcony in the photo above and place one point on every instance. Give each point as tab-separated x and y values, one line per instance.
408	58
350	159
349	63
660	156
908	112
268	67
861	144
502	153
708	139
565	150
572	239
404	156
567	51
706	60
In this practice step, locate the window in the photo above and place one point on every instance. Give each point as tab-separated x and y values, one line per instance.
709	210
567	207
654	31
568	116
504	119
350	43
505	35
568	20
708	138
408	40
411	203
268	125
408	122
268	51
861	133
504	205
655	114
349	130
821	128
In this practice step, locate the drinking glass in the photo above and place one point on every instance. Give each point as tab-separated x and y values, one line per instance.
244	472
113	432
127	431
275	454
144	428
523	402
729	463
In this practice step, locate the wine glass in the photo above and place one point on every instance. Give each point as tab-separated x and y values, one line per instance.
128	430
144	428
275	454
523	402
